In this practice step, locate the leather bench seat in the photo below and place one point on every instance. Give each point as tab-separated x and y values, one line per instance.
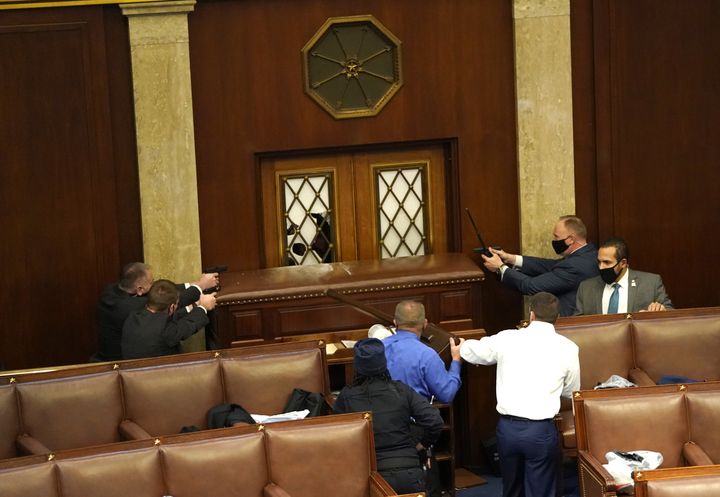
668	419
642	347
9	421
330	455
72	407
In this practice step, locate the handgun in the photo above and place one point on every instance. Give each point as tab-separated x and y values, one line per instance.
214	269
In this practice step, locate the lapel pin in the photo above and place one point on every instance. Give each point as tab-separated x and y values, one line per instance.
632	283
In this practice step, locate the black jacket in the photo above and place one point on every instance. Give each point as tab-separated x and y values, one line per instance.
392	404
113	308
151	334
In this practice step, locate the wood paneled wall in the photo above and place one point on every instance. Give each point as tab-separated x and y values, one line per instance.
647	108
645	82
68	181
248	99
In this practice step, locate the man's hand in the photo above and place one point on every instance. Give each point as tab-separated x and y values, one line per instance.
492	263
455	349
504	256
207	301
208	280
656	306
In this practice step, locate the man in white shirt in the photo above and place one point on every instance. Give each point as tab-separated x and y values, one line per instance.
535	366
618	288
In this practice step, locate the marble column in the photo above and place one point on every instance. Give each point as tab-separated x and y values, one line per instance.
544	117
159	47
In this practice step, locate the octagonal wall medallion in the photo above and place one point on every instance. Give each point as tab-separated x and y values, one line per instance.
351	66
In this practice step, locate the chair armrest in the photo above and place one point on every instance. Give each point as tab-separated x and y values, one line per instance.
29	446
596	480
695	455
272	490
640	378
378	486
129	430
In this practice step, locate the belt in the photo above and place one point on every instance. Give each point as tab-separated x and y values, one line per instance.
398	463
519	418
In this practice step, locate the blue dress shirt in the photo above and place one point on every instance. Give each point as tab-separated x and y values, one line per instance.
418	366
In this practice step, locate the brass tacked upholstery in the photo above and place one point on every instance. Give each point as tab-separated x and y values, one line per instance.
323	456
55	411
163	399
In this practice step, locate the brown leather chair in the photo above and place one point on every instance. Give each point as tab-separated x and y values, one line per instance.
63	413
9	422
701	481
161	400
328	455
677	343
704	412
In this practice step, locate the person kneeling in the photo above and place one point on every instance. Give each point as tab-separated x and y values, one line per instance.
159	328
392	404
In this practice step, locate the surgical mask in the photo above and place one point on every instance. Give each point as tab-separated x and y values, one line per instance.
559	246
609	275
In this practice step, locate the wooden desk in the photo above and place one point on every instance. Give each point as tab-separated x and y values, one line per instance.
266	305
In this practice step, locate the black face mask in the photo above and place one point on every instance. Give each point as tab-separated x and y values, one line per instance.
608	274
559	246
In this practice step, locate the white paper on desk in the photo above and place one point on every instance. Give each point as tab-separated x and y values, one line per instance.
330	348
285	416
349	343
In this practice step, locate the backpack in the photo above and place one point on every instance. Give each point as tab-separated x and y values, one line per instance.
226	415
302	399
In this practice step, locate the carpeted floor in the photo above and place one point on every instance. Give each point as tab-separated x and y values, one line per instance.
493	487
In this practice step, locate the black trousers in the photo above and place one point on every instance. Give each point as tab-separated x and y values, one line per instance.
405	480
529	456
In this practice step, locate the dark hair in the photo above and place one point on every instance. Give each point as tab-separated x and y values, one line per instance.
410	314
359	379
131	274
546	307
162	294
621	248
575	224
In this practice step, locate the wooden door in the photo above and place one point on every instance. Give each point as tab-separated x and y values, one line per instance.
353	206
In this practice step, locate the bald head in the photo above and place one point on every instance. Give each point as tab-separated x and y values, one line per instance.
410	315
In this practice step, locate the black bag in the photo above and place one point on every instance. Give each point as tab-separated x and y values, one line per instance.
302	399
226	415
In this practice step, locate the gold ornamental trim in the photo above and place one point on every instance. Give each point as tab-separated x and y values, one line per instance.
321	293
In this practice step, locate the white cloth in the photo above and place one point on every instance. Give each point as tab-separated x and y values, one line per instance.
621	468
379	331
535	366
285	416
622	295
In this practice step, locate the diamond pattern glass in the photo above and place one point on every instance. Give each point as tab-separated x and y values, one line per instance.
307	209
401	210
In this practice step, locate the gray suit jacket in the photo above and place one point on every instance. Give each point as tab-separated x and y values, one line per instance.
645	288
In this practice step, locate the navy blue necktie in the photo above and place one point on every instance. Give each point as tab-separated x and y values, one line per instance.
614	299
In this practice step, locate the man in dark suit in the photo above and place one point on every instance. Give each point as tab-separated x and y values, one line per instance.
620	289
159	328
561	277
128	295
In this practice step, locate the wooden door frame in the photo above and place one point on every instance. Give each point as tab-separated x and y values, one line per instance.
450	166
